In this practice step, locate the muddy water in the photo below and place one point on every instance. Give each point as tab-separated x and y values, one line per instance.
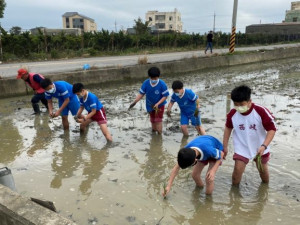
94	183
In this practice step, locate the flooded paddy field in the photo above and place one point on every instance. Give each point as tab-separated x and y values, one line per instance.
91	182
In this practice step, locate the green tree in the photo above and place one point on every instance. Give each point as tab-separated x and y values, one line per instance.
2	7
15	30
140	27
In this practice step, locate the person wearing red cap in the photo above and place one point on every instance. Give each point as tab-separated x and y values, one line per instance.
33	80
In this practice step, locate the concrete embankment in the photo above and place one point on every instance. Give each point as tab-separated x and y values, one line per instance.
18	210
11	87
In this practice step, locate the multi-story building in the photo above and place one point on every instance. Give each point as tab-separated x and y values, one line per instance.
293	15
76	20
164	21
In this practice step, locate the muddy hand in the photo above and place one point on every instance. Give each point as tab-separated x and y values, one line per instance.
196	112
165	191
169	113
132	105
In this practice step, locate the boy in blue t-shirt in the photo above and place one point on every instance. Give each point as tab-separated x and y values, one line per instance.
189	105
198	153
156	92
96	112
67	101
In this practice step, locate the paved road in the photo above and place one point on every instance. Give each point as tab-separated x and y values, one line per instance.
48	67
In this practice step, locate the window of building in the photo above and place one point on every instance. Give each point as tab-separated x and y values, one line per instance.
160	17
67	19
170	26
170	18
295	19
77	23
68	26
150	18
161	25
81	26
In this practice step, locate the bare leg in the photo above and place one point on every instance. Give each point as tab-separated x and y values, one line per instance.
158	127
184	129
84	125
239	168
265	174
210	184
105	132
65	122
196	174
200	129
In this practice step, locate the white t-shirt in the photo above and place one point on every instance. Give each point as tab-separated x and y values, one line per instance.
250	129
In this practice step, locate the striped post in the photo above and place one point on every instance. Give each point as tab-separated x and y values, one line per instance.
232	40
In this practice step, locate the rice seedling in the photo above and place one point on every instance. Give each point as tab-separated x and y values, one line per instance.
259	163
164	187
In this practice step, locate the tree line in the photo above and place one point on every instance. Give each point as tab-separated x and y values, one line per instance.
46	46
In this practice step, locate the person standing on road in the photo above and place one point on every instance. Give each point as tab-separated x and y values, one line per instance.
33	80
209	38
67	101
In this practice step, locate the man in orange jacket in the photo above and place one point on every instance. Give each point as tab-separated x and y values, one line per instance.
33	80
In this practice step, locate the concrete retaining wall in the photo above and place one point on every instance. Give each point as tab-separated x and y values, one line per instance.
12	87
17	210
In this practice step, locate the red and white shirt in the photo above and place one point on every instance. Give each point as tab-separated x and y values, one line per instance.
250	129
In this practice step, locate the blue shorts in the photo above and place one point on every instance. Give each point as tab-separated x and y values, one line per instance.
196	120
73	106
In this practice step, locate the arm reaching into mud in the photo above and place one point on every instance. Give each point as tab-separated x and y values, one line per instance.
227	133
174	173
138	98
169	108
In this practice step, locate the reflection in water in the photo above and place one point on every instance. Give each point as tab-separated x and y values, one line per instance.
10	142
240	209
248	211
155	165
65	162
43	136
92	168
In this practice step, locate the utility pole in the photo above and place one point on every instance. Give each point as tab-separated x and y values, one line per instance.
1	53
115	26
214	28
233	27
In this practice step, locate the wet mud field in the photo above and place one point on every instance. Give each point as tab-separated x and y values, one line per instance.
121	183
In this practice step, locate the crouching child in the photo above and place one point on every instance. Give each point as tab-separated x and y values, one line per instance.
96	112
198	153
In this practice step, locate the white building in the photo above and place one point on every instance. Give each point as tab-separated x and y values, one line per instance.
164	21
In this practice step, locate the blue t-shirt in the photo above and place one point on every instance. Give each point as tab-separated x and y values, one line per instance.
91	102
186	102
154	93
208	146
63	90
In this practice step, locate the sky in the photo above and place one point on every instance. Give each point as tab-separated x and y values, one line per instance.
197	15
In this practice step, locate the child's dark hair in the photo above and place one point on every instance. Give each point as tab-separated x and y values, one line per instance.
241	93
153	72
45	83
177	84
186	157
77	88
